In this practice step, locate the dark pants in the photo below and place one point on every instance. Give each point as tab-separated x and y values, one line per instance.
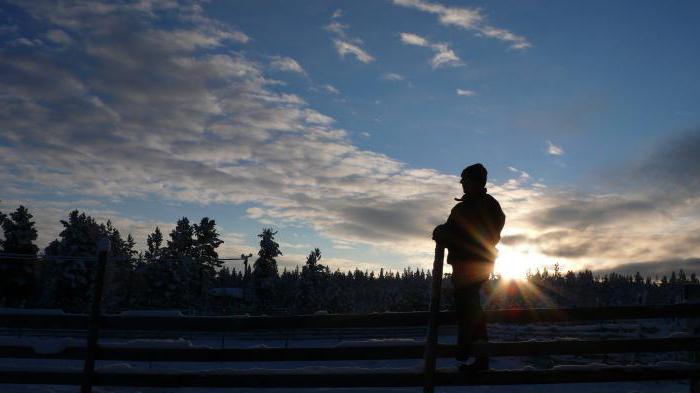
470	316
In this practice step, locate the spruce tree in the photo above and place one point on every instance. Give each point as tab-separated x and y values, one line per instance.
17	274
265	270
206	242
66	281
181	243
119	272
20	233
309	287
154	242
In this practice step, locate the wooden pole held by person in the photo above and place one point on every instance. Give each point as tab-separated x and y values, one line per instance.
103	247
431	339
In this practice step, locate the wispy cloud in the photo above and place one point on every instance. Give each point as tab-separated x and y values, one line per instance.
59	37
466	92
287	64
352	48
554	149
444	56
337	14
331	89
344	44
392	76
468	19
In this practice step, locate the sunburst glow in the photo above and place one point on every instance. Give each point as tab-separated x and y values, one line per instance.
514	263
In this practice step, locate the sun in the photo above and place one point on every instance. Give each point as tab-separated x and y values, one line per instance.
514	263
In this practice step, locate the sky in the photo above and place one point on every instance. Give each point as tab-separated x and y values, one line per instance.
344	124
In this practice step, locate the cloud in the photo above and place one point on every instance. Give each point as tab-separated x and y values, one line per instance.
136	115
468	19
331	89
313	117
414	39
444	56
554	149
287	64
657	269
344	44
352	48
673	164
392	76
466	92
59	37
649	213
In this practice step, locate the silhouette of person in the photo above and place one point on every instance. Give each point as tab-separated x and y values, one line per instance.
470	235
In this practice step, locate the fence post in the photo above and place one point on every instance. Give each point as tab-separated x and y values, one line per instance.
431	339
103	247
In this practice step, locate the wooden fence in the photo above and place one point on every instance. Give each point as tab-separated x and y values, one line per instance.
347	378
95	324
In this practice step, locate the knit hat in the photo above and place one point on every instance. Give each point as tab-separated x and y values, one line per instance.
476	173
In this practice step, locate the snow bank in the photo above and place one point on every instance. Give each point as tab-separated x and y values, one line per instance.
44	346
31	311
151	313
306	370
379	342
666	365
147	343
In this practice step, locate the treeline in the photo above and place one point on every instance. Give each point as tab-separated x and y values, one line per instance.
184	272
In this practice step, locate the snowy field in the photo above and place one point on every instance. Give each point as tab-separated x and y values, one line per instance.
52	342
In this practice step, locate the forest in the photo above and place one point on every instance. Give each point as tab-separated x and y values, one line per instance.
185	272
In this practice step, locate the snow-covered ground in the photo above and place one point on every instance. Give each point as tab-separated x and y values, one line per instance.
52	342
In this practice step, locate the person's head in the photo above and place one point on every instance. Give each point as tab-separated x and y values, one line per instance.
473	179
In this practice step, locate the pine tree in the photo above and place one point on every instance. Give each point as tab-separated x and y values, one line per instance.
154	242
67	281
265	270
119	272
182	275
206	242
17	276
181	243
308	294
19	232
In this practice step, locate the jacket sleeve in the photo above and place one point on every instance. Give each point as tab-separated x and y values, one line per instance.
453	233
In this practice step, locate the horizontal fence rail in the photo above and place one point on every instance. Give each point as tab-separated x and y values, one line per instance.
22	320
325	376
358	378
377	352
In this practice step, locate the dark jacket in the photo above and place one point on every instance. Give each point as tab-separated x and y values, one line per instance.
473	230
